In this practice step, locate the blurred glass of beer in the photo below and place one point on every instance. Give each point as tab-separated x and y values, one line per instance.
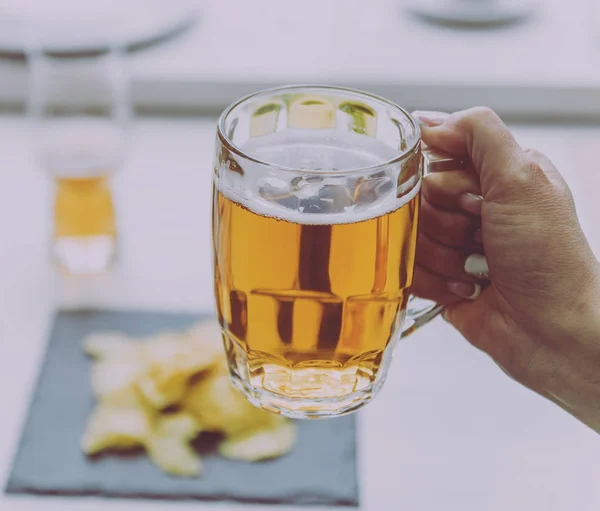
315	209
79	110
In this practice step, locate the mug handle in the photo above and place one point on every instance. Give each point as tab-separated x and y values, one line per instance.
419	311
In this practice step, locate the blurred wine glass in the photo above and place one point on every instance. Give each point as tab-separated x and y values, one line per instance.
80	112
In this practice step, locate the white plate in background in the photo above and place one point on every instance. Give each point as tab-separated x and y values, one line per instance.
473	12
71	25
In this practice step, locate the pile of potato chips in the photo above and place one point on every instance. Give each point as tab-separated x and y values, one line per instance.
159	393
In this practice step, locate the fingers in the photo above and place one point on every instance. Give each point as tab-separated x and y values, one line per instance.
453	190
480	134
430	286
454	229
444	261
448	236
430	117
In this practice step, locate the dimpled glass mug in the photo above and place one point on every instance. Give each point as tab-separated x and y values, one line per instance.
316	193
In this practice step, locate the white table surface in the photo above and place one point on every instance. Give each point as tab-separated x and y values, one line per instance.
548	66
449	432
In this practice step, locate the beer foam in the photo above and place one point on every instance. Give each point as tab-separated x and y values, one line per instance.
309	149
331	149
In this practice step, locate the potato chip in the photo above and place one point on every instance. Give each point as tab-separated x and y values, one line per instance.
109	345
171	360
180	425
173	455
162	394
115	426
168	446
219	407
127	398
136	379
162	347
261	445
115	375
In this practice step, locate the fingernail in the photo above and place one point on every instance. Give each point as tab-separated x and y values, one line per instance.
477	266
478	236
446	316
471	203
427	118
464	290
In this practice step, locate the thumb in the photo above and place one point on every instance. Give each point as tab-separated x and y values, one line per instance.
480	134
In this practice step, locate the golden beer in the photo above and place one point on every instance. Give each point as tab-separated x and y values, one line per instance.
83	207
84	224
312	307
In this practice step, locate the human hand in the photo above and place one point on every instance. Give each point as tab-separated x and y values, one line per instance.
538	316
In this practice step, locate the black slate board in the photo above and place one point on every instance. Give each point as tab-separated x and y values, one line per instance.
321	470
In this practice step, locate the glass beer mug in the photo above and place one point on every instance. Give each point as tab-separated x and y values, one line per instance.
315	209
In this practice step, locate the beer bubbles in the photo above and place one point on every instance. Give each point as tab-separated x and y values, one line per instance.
321	192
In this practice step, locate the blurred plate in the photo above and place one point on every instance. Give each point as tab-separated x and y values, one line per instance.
472	12
68	26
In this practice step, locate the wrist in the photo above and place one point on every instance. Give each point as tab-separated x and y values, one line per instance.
574	380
